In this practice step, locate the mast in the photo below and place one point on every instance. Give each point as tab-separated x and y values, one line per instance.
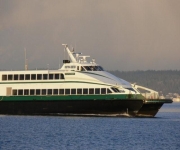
70	53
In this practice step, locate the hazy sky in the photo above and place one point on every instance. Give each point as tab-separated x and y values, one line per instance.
120	34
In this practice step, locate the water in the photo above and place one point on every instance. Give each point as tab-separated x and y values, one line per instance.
94	133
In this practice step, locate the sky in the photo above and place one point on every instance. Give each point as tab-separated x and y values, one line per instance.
124	35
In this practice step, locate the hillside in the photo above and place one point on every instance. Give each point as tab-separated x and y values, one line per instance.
165	81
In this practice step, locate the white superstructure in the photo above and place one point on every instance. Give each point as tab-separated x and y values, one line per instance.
73	75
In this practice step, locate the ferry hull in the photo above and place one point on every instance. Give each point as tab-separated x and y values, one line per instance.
121	107
149	110
70	107
151	107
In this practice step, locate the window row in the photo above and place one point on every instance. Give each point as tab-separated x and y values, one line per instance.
32	77
60	91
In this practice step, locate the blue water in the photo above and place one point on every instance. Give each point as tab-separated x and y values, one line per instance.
92	133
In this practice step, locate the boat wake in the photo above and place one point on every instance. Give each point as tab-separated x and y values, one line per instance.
95	115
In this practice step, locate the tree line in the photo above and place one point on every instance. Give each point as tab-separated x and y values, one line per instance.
166	81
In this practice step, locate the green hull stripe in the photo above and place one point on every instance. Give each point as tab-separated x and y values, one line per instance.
70	97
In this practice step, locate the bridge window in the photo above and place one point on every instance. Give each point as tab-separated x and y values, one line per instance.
115	90
87	68
82	68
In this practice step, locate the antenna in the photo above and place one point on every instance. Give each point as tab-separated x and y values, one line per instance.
47	66
25	60
59	63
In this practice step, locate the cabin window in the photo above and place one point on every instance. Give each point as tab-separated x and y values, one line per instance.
67	91
77	67
21	76
14	92
4	77
27	76
79	91
97	91
73	91
45	76
38	92
20	92
85	91
55	91
49	91
26	92
62	76
61	91
10	77
39	76
103	91
33	76
51	76
115	90
16	77
43	91
32	92
56	76
87	68
91	91
82	69
109	91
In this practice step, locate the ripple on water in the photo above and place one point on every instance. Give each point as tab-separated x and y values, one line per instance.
43	132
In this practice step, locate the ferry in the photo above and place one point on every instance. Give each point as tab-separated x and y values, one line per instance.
78	88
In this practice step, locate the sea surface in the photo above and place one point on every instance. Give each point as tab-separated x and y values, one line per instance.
92	133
